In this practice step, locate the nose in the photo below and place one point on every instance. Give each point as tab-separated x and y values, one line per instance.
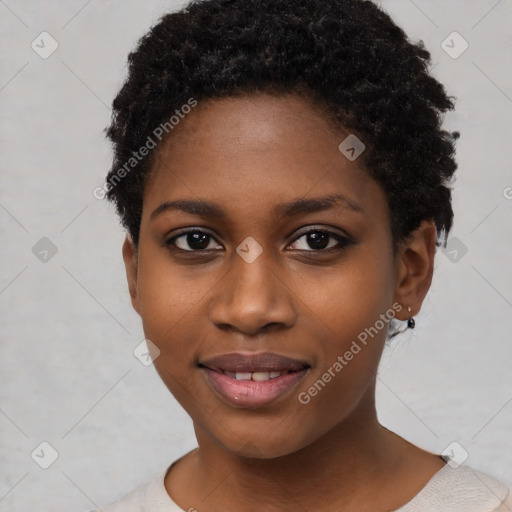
253	297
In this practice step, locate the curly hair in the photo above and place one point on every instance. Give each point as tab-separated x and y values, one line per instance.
346	56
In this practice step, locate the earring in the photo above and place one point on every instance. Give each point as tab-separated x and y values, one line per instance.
410	322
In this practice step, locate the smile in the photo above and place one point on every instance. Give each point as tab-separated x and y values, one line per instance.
253	389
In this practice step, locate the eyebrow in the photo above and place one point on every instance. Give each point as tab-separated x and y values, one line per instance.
299	206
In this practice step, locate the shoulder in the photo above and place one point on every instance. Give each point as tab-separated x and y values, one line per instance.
476	490
143	498
131	502
149	497
463	489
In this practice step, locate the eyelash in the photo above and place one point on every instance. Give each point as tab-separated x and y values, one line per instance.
343	241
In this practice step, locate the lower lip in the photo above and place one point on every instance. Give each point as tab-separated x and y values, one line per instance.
249	393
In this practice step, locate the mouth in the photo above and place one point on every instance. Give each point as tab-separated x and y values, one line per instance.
257	376
257	364
253	380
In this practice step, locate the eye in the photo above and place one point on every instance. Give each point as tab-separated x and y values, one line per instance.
319	241
197	239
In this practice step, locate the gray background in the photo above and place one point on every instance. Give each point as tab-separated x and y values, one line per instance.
68	373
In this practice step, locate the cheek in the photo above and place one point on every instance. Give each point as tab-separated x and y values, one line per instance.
171	296
349	338
171	309
348	298
352	311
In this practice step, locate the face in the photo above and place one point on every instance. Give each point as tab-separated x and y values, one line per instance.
268	271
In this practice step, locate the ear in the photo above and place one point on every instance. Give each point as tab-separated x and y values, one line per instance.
130	263
415	267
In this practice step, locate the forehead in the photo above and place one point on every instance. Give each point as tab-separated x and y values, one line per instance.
251	153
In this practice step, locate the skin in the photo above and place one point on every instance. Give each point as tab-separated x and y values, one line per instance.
248	154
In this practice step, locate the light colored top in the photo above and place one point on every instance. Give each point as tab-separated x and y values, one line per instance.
449	490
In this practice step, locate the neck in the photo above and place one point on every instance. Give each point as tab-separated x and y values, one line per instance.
340	466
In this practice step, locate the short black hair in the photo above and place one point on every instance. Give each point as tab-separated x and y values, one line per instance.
346	56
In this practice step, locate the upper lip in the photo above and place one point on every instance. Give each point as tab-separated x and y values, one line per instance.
253	362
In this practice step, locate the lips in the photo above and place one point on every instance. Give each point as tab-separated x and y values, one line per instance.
252	380
238	362
250	394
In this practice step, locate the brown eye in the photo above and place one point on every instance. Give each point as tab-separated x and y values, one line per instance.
318	240
195	239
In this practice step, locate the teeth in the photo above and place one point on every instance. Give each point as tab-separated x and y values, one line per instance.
261	376
243	376
256	376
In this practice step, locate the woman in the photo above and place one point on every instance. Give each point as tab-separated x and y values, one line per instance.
283	177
